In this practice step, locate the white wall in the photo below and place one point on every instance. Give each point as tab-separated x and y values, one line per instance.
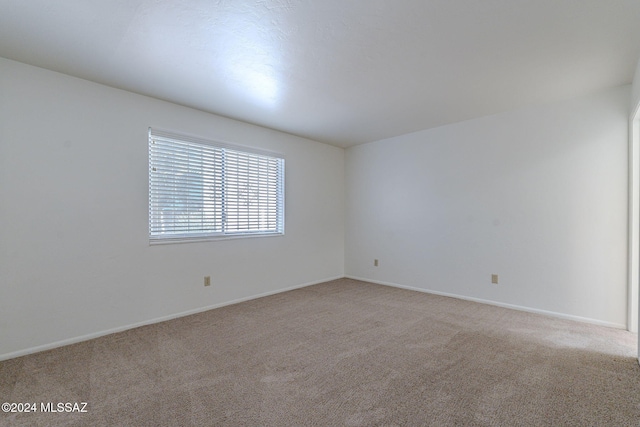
634	194
538	196
635	90
74	253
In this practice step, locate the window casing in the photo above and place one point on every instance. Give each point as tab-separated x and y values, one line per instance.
201	190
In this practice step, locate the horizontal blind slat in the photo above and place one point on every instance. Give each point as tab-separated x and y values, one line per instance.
199	189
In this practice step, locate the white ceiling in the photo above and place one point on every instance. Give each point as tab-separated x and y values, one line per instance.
338	71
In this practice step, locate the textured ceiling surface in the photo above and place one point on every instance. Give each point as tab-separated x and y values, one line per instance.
341	72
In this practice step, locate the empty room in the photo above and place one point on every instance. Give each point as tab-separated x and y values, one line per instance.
328	213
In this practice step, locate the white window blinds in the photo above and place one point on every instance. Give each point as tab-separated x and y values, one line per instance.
201	189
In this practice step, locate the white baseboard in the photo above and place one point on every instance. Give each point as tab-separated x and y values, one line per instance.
87	337
498	304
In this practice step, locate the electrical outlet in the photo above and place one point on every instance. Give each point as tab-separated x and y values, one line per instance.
375	262
494	278
207	280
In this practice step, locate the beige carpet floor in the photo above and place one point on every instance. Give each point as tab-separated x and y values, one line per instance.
342	353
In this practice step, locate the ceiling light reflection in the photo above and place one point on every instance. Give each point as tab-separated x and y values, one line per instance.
251	62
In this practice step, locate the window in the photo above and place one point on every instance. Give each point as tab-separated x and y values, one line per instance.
201	190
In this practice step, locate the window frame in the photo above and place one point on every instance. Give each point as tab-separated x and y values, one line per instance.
190	237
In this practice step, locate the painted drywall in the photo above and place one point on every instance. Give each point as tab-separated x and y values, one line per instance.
635	90
537	196
74	254
634	161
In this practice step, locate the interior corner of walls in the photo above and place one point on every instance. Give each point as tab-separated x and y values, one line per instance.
307	252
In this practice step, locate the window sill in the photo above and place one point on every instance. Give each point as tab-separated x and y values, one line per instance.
180	240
